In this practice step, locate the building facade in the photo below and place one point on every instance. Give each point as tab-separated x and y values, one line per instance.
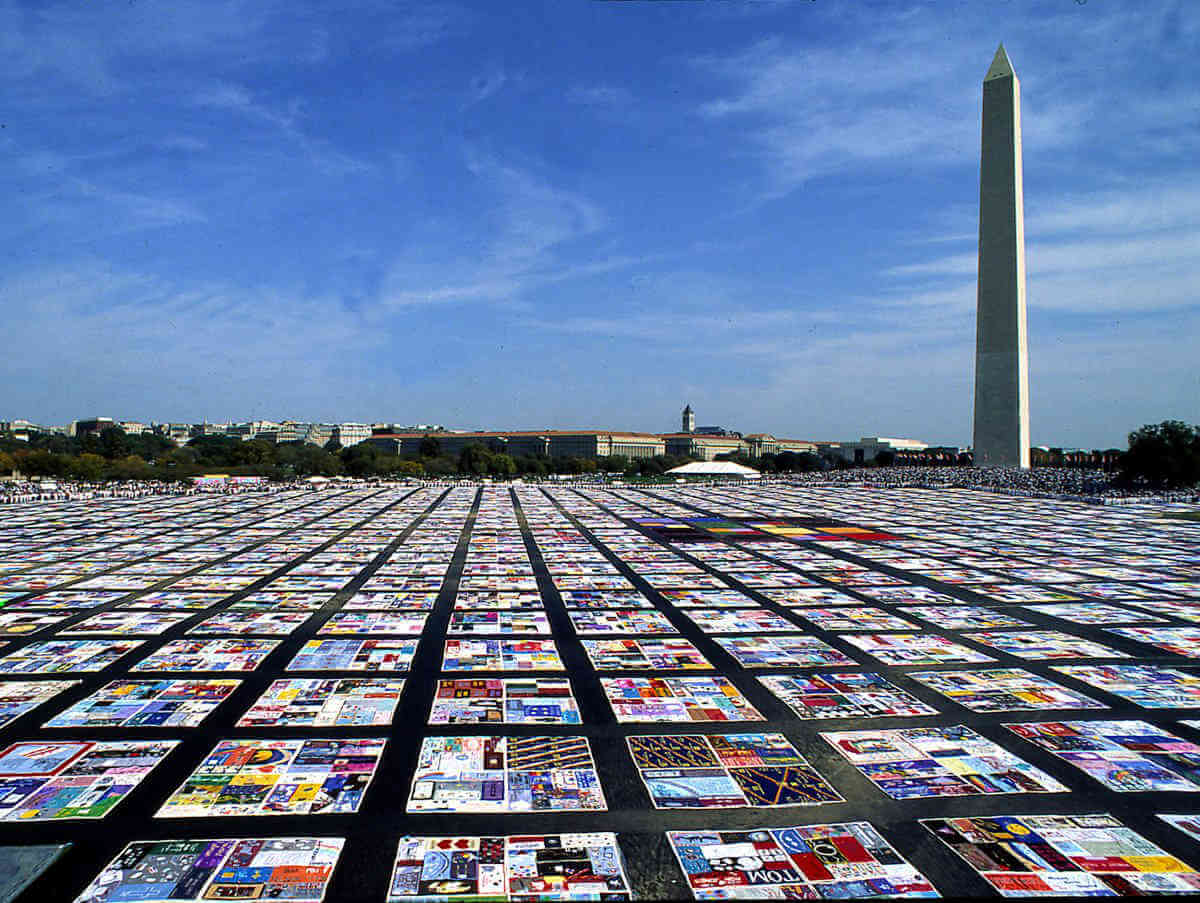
179	433
252	429
539	443
209	429
703	447
92	425
761	444
291	431
348	434
318	433
867	448
22	429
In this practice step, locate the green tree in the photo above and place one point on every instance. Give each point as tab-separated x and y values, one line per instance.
430	446
150	446
181	458
58	444
87	467
767	463
787	461
441	466
529	465
612	463
307	460
885	458
131	467
113	443
256	453
1164	455
659	464
739	457
7	463
474	460
807	462
40	463
395	466
359	460
218	451
502	465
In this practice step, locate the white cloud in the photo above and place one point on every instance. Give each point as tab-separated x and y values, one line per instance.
416	27
98	336
89	44
287	119
488	83
1089	386
73	201
905	89
957	265
812	111
709	333
513	247
1135	207
139	211
1118	250
184	143
605	96
235	98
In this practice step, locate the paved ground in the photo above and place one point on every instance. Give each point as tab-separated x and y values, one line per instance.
892	674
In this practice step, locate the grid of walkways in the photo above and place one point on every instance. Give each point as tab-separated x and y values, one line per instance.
398	693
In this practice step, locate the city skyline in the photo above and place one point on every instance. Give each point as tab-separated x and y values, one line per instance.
579	215
708	440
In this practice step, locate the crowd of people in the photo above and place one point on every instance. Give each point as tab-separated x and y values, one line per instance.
1048	482
18	491
1052	482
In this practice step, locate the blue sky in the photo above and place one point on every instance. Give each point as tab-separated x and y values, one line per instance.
576	214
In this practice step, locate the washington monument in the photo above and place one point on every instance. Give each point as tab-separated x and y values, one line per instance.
1001	349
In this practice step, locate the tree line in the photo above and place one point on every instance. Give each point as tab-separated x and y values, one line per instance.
114	455
1160	456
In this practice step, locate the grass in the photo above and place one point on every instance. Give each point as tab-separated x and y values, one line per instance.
1183	515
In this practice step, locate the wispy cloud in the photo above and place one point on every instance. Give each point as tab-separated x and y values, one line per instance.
90	45
1129	250
957	265
529	219
287	118
606	96
905	90
140	211
209	345
237	99
1134	208
914	375
73	204
188	144
416	27
716	332
816	110
490	82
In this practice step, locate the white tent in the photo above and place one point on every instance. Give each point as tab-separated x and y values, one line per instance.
714	469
